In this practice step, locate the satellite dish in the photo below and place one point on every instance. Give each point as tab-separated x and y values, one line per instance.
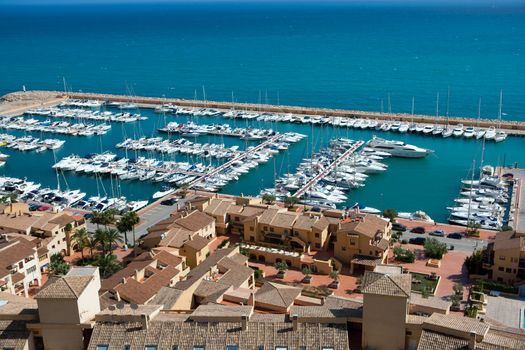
112	307
120	305
134	306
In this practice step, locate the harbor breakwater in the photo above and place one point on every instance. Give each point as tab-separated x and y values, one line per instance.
512	127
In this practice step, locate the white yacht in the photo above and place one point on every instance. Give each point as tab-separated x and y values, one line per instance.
490	134
469	132
458	130
398	148
417	215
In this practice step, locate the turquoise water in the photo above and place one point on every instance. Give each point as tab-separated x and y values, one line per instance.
315	55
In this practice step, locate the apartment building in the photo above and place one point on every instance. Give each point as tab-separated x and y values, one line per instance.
67	315
362	241
51	228
19	265
182	234
504	258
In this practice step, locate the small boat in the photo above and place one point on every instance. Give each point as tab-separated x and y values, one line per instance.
365	209
469	132
163	192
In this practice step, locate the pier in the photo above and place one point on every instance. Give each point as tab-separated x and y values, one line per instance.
328	169
54	97
237	158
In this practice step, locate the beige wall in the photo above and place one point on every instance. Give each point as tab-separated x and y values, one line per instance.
62	337
505	266
384	319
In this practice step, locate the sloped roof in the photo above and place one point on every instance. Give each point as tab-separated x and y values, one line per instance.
277	294
67	287
456	323
167	297
384	284
197	243
368	225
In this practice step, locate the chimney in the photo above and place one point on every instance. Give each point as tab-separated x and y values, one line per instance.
251	299
123	280
137	275
295	322
145	321
244	322
117	295
472	341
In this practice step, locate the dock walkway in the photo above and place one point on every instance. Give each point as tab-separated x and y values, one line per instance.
235	159
328	169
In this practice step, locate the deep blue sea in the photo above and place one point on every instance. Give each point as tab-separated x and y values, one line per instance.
330	55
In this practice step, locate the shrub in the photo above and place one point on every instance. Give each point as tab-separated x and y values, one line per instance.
404	255
486	285
404	241
434	249
391	214
223	243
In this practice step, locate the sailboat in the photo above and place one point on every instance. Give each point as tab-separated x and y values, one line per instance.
500	135
446	131
479	132
437	129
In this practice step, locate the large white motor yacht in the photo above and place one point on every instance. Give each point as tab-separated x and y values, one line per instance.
398	148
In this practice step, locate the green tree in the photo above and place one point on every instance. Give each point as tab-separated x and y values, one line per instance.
290	201
57	265
281	266
404	255
334	275
434	249
92	244
391	214
268	198
474	263
307	272
79	239
473	228
9	198
132	219
107	264
112	237
100	238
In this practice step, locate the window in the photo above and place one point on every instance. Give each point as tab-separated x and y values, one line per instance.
316	235
102	347
150	347
198	347
501	257
174	347
508	269
251	228
271	229
21	264
302	348
31	269
343	249
327	348
501	268
281	348
260	347
317	245
126	347
232	347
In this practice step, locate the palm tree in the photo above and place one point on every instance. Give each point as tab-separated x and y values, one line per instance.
100	238
67	230
123	228
112	237
97	218
108	264
91	243
57	265
290	201
132	219
80	238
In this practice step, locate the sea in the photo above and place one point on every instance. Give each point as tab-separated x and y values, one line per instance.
375	57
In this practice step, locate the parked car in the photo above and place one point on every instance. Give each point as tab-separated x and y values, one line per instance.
455	235
417	240
33	206
170	201
398	227
437	233
88	216
44	208
418	229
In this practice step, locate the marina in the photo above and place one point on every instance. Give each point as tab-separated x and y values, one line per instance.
86	114
47	126
29	143
213	137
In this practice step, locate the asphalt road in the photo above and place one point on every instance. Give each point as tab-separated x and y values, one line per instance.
464	244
